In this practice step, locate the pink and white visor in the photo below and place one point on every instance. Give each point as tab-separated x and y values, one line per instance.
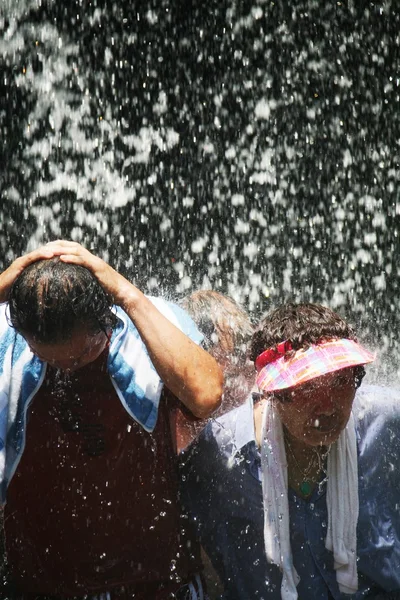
275	372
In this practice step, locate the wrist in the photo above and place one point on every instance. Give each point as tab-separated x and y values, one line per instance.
130	299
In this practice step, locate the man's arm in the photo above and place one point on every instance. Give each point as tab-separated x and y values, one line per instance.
187	370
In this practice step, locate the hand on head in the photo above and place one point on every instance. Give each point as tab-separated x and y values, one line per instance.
114	284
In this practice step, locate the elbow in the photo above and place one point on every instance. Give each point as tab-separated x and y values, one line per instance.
210	396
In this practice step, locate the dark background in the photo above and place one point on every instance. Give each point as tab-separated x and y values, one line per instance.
250	146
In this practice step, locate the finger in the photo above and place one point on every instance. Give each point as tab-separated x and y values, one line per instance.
58	249
75	258
39	253
91	262
70	250
69	247
31	257
65	243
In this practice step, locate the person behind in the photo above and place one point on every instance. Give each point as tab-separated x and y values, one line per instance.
87	464
295	493
226	330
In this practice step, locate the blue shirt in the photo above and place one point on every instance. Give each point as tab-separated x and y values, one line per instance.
221	489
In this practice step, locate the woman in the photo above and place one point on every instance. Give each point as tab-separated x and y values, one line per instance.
295	494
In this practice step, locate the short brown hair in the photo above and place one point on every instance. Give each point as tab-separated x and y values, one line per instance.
301	324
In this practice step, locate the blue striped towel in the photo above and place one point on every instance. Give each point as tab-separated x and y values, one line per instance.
133	375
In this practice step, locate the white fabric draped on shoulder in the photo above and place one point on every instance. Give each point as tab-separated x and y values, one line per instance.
342	503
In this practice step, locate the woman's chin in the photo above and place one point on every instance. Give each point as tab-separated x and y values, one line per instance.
323	436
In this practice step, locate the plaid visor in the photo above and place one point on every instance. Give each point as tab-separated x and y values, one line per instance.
275	372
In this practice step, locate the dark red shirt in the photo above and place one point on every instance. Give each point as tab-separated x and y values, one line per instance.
93	504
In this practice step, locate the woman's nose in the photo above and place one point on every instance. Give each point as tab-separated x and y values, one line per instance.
327	406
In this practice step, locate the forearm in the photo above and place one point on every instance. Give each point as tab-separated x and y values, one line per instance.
187	370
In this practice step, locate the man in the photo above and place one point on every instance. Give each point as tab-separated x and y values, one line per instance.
86	454
295	493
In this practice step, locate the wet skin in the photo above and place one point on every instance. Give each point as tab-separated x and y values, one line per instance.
315	413
79	350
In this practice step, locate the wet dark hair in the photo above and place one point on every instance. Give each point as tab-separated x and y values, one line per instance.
51	299
303	325
221	320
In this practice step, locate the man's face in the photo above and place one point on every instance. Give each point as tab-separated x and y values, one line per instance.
316	412
81	349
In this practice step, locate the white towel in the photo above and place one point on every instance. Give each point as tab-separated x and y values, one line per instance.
342	503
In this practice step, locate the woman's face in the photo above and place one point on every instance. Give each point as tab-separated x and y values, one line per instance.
316	412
